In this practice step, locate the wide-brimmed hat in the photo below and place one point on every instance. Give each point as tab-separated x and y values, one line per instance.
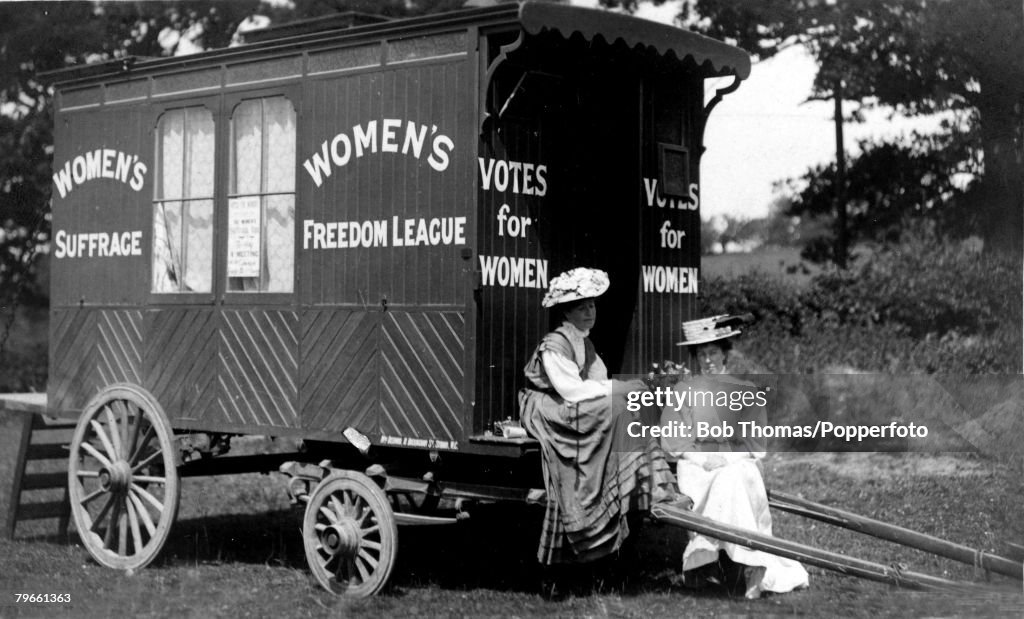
712	329
579	283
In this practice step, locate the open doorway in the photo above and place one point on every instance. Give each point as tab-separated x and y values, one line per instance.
595	218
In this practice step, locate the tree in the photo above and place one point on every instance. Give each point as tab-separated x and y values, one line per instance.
919	56
889	184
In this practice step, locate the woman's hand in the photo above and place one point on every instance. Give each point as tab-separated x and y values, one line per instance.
714	462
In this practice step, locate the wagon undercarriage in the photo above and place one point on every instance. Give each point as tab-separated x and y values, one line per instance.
127	464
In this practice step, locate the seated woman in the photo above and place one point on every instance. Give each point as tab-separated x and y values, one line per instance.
595	474
723	475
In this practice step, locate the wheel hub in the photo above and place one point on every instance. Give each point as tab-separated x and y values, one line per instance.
341	538
117	477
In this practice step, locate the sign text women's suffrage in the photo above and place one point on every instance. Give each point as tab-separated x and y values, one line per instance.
97	164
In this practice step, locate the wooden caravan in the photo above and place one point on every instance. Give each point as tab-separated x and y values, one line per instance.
341	232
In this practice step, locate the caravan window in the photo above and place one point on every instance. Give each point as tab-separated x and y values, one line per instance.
183	202
261	201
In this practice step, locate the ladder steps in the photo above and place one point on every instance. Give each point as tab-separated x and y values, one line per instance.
40	470
46	452
42	481
39	511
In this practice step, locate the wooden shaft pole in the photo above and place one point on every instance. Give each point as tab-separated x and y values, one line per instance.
894	533
807	554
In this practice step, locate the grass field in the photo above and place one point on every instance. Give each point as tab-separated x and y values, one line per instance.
784	262
236	551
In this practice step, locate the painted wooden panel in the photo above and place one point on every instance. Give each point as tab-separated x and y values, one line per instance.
412	170
339	370
259	369
670	284
102	193
514	269
422	375
72	359
119	347
180	361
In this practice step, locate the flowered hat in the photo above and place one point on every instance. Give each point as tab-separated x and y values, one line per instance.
710	329
579	283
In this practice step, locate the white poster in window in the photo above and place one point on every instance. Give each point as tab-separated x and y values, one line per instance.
244	237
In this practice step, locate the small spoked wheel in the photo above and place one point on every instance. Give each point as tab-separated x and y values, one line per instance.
122	477
350	534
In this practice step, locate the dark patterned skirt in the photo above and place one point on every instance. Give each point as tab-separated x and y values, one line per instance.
595	473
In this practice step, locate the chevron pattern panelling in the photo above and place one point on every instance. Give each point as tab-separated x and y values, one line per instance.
340	379
119	347
180	360
259	368
422	377
72	358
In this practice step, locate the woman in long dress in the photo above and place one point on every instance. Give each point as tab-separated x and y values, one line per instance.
594	472
723	475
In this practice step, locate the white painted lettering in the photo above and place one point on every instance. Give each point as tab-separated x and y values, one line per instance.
542	183
654	197
508	271
680	280
108	162
62	179
443	146
414	139
138	176
486	169
671	239
518	176
337	157
318	168
97	244
365	138
93	164
124	166
78	169
58	239
501	176
387	142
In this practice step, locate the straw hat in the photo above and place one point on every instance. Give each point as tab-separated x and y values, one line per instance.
709	330
579	283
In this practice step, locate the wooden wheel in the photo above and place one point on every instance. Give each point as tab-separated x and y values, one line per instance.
350	534
123	477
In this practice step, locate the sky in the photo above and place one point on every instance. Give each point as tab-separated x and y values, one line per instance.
766	132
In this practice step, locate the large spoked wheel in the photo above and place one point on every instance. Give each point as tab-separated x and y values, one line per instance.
350	535
123	477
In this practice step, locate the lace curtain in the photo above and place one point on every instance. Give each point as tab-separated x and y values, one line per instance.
183	209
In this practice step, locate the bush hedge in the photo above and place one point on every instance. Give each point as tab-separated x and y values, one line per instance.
925	305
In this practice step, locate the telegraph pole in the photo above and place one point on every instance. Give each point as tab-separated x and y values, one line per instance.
842	230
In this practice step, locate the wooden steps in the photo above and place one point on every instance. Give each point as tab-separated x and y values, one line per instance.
40	470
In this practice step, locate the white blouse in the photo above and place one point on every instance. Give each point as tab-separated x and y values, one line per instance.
564	373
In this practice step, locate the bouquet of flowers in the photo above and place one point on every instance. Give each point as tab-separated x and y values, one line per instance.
666	374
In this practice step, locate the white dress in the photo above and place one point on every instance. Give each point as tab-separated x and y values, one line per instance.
732	494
